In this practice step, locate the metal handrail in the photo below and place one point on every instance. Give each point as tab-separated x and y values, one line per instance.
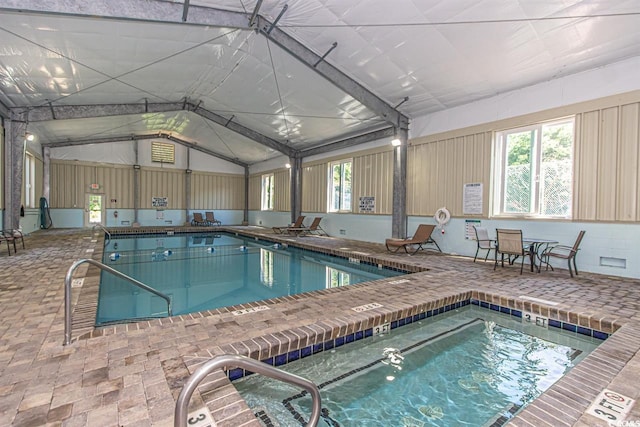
226	360
105	230
67	292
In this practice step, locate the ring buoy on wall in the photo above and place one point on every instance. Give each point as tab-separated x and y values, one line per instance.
442	217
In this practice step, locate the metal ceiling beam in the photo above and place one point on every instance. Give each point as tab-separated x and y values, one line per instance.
331	73
133	10
349	142
242	130
61	112
163	135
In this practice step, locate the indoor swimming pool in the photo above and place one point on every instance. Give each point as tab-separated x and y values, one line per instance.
467	367
200	272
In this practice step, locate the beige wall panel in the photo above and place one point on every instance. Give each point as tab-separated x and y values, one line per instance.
627	179
586	161
607	164
162	183
38	183
1	167
214	191
477	165
421	173
282	190
314	188
255	192
373	176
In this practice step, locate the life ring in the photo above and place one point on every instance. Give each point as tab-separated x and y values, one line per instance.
442	217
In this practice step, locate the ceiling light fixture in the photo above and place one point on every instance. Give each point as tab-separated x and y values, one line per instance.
287	165
29	136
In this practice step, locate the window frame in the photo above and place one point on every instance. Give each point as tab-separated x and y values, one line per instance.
267	198
29	180
331	188
500	169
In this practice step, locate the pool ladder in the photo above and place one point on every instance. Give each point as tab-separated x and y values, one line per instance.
67	291
103	228
228	360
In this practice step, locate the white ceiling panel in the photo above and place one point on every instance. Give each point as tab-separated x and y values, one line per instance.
439	53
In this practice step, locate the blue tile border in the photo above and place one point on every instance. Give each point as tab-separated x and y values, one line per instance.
237	373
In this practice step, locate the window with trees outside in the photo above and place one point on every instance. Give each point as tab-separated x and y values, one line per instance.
267	192
340	186
534	170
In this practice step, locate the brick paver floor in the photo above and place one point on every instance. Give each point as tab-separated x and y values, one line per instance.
130	375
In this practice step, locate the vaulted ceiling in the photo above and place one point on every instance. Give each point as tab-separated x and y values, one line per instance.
211	75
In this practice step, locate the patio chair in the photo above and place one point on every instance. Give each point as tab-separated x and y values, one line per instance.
421	238
211	220
509	242
197	219
483	241
314	228
564	252
8	237
297	224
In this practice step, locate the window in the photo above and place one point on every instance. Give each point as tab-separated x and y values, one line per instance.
337	278
29	181
340	186
534	170
162	152
267	192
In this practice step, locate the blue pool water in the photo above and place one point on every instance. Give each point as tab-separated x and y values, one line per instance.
469	367
202	272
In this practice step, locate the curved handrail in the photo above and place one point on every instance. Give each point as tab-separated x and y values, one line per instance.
225	360
67	292
105	230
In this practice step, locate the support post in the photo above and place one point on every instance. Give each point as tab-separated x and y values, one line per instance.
187	187
46	173
246	196
136	185
295	176
399	215
13	166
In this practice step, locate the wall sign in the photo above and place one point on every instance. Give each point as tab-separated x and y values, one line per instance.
469	232
472	199
367	204
159	202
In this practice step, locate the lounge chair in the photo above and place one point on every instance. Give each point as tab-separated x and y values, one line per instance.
564	252
211	220
314	228
510	243
484	242
297	224
197	219
421	238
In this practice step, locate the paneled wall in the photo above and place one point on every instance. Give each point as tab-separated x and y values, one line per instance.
314	187
70	181
216	191
438	169
372	176
281	188
607	176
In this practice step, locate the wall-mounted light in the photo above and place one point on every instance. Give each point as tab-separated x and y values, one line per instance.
396	142
287	165
29	136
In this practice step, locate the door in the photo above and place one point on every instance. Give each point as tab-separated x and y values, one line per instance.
94	210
